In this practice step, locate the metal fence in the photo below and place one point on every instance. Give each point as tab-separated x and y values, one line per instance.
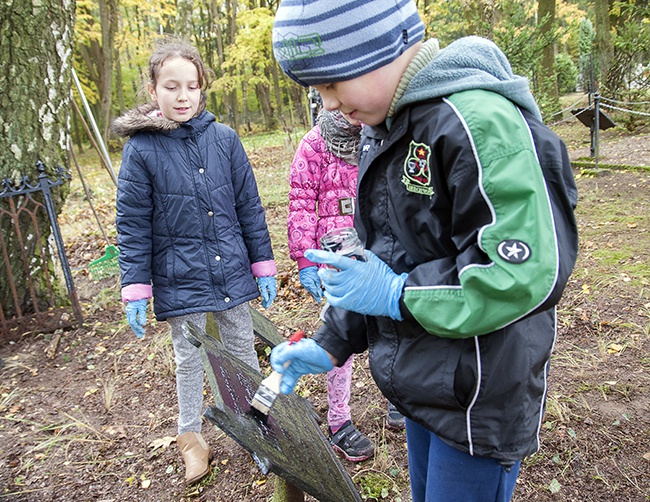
33	304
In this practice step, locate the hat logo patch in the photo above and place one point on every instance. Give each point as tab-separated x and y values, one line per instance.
293	48
513	251
417	172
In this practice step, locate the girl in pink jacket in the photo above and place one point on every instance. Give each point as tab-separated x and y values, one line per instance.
323	181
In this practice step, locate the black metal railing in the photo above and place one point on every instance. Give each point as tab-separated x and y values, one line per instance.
29	300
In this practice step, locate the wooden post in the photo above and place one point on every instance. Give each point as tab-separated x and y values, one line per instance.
286	492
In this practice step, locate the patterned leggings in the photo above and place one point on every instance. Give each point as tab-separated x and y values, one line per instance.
236	331
339	380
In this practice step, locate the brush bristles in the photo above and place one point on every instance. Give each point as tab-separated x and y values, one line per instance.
267	392
263	400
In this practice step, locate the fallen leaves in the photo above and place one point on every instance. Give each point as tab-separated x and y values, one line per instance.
116	431
554	486
90	392
163	442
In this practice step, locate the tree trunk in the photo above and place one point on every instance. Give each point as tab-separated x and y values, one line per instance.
233	108
35	49
548	78
276	88
299	108
134	82
604	48
119	82
108	13
247	113
214	26
184	10
264	99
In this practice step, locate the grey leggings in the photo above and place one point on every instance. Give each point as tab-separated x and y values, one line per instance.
236	331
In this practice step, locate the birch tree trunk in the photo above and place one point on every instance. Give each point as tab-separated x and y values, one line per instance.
36	39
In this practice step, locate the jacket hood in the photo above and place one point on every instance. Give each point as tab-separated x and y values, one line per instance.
145	117
469	63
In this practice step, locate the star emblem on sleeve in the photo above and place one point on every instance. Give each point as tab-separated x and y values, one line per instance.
513	251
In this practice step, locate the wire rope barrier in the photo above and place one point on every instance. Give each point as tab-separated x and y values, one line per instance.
626	110
603	104
625	102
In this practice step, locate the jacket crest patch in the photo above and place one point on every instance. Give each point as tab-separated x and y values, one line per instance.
417	173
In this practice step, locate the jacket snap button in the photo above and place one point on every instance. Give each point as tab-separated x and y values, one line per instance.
218	258
201	171
226	299
210	213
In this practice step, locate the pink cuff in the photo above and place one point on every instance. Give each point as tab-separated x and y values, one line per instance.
264	268
134	292
304	263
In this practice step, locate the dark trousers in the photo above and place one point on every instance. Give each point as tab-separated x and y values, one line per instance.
440	473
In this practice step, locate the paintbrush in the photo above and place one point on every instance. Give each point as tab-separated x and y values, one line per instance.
270	387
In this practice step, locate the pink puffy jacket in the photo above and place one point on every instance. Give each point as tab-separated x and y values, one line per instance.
321	197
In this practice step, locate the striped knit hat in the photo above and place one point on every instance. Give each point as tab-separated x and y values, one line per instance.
325	41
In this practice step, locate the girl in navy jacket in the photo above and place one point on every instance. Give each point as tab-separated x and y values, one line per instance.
191	229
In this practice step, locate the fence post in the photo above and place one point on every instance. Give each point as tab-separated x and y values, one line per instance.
56	230
596	127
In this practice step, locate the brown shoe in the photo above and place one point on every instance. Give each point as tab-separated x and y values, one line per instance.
196	455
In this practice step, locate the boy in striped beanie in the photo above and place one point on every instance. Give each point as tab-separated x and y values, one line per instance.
465	206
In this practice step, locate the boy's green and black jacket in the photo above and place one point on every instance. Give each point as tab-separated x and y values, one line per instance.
472	196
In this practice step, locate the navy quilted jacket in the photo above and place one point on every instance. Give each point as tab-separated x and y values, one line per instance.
189	217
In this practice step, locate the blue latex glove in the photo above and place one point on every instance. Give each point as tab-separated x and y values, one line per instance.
136	315
296	359
311	282
367	287
267	290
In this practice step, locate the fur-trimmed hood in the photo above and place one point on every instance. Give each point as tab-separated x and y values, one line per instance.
147	117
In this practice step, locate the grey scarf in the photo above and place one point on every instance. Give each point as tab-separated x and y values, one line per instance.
341	138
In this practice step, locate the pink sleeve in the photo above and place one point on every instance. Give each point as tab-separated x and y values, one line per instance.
304	263
134	292
264	268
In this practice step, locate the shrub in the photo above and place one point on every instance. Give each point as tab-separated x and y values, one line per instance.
567	73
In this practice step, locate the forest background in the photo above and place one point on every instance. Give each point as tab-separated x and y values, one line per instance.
599	46
558	45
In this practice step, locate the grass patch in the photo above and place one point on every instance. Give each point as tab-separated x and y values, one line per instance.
376	485
272	139
273	185
613	217
589	168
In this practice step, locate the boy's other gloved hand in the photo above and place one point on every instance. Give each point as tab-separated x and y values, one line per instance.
267	289
367	287
304	356
136	315
311	282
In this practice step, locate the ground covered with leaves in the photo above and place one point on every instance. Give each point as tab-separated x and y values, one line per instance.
90	414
